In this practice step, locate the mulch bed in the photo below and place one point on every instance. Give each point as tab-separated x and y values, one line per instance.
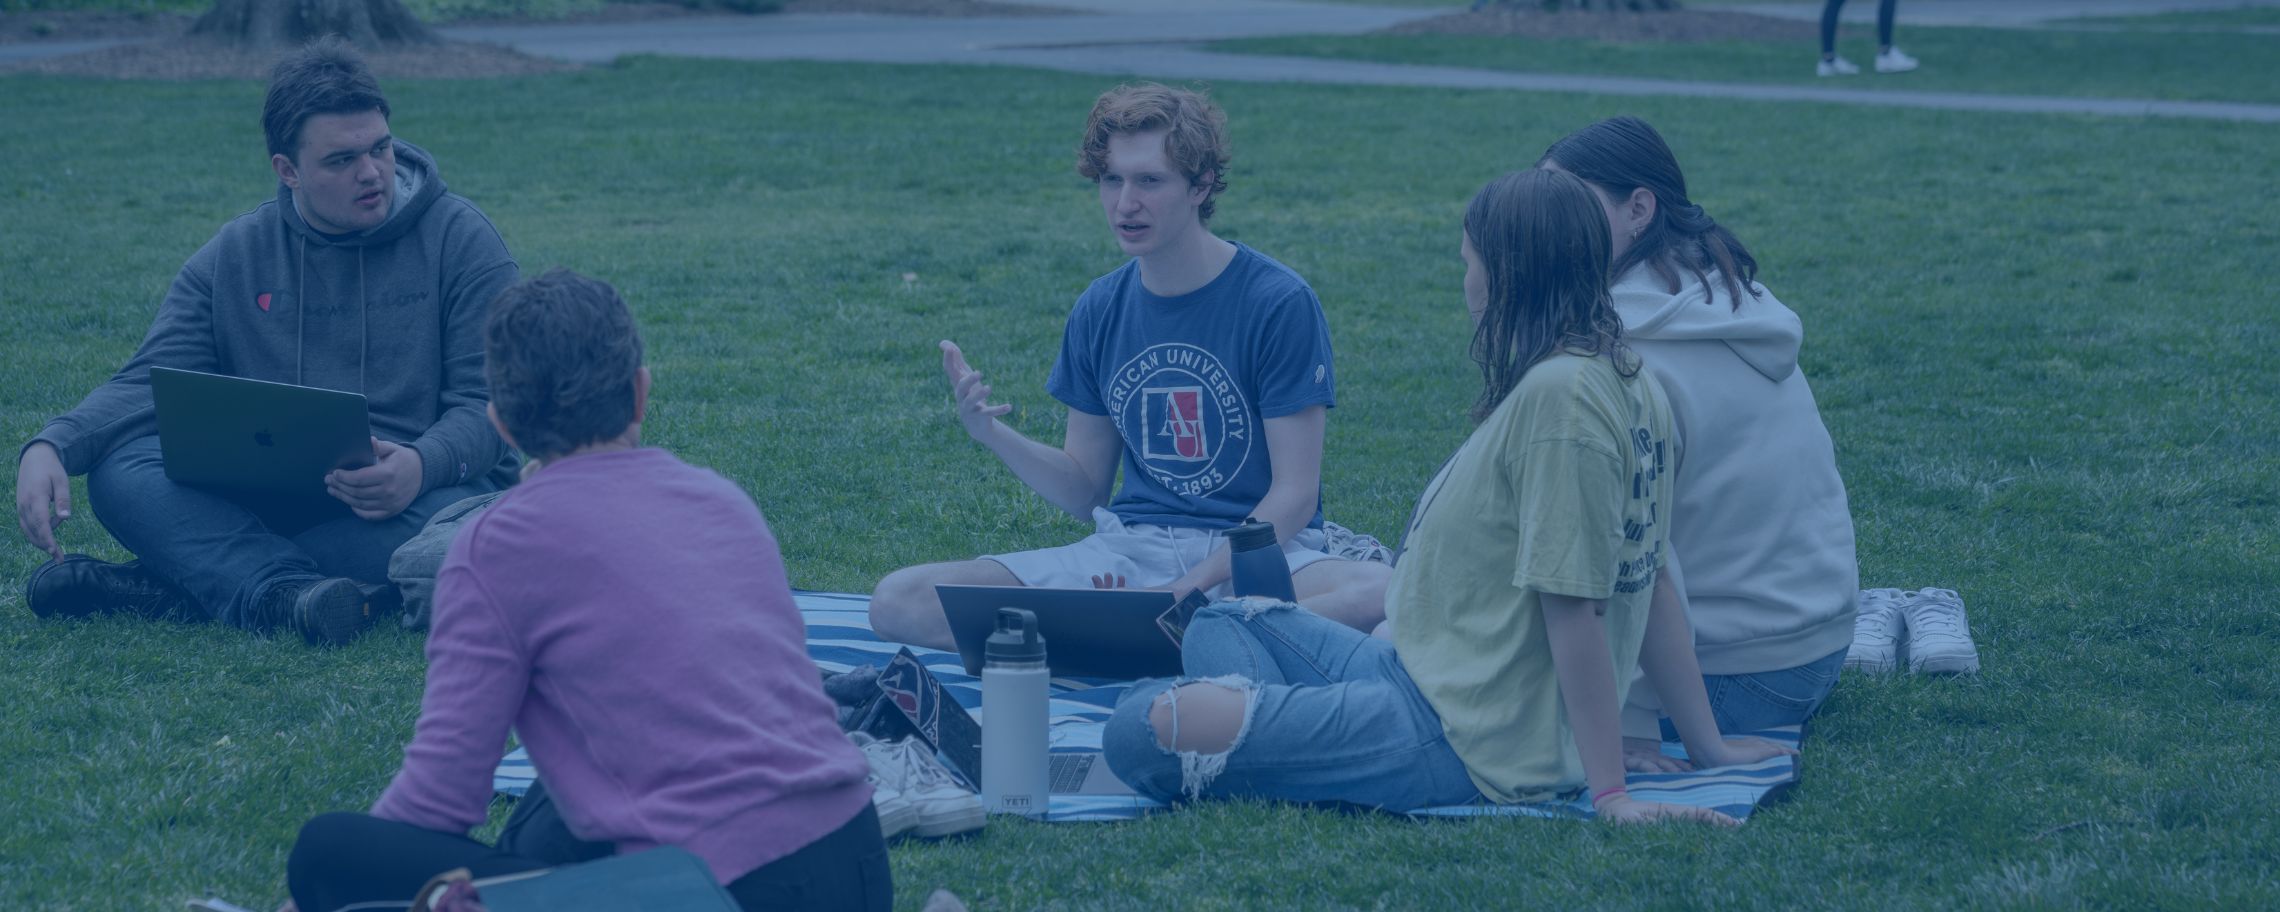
169	54
1596	25
81	25
925	8
198	58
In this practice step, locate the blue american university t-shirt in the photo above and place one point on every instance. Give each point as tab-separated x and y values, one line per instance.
1189	381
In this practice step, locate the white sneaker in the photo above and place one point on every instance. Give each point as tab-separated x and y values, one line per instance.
1838	66
1939	638
1894	60
1876	633
896	814
941	806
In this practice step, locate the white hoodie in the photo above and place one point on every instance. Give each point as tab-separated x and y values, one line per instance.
1761	532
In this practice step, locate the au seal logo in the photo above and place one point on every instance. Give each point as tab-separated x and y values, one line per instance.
1183	416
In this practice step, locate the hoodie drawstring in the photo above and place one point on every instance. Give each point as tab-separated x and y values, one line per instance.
300	309
364	330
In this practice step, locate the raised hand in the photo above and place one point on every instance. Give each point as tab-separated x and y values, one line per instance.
974	409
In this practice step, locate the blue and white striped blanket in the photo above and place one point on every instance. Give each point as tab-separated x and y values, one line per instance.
840	638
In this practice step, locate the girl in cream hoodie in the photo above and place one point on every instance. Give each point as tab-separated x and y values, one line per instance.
1761	529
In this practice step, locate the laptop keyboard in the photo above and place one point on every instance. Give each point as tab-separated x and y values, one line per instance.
1069	772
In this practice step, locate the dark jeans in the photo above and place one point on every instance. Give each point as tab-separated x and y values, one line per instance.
343	858
1829	25
1768	699
223	551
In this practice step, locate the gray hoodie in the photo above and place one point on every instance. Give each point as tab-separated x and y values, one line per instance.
395	313
1761	532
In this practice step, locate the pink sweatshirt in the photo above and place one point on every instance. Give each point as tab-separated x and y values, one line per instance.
627	615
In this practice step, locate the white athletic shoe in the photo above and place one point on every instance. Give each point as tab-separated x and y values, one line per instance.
1894	60
1837	66
940	806
1939	638
896	814
1876	633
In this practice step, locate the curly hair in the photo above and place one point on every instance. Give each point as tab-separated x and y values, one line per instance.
1195	137
561	352
1543	246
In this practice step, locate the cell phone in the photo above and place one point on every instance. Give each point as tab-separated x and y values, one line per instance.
1174	621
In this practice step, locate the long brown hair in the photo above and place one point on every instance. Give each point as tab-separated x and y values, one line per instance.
1622	154
1542	242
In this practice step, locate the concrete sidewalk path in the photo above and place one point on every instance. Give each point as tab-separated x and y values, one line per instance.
1157	38
1984	13
1159	43
1189	63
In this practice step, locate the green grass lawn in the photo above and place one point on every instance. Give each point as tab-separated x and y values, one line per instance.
2116	64
2044	345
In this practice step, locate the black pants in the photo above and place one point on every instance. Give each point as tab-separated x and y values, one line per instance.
1829	25
343	858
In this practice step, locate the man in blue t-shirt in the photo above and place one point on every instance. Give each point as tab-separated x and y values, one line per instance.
1202	368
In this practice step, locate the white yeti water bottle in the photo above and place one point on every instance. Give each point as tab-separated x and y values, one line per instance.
1016	778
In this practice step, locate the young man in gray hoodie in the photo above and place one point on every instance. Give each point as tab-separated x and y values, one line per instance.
365	275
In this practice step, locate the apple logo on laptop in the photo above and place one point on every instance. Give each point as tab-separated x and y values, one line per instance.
262	438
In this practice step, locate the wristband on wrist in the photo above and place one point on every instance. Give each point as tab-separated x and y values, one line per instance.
1604	794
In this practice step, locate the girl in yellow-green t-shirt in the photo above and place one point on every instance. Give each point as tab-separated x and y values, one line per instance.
1527	592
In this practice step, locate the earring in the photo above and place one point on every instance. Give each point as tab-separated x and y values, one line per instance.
1636	231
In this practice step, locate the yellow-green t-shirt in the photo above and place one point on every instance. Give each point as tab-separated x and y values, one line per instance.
1564	489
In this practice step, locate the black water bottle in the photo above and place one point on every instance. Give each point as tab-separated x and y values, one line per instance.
1257	562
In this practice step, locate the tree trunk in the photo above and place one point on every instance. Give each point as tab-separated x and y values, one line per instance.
366	23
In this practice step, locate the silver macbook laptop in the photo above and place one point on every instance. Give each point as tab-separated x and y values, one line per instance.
254	436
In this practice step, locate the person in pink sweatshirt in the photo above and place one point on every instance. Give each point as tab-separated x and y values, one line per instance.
626	615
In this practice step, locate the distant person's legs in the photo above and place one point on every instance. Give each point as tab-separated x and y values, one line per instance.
1889	57
1829	28
1831	64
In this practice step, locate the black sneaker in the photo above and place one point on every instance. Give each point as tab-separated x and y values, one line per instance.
327	612
78	586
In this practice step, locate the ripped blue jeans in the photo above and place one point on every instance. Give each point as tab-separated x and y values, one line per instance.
1330	717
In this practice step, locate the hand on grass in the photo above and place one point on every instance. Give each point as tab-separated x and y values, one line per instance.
1620	808
42	487
382	489
974	409
1642	755
1738	751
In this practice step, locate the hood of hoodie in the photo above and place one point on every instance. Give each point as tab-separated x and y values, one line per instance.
1762	332
418	186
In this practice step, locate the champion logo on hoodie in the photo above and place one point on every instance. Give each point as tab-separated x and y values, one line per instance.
262	301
